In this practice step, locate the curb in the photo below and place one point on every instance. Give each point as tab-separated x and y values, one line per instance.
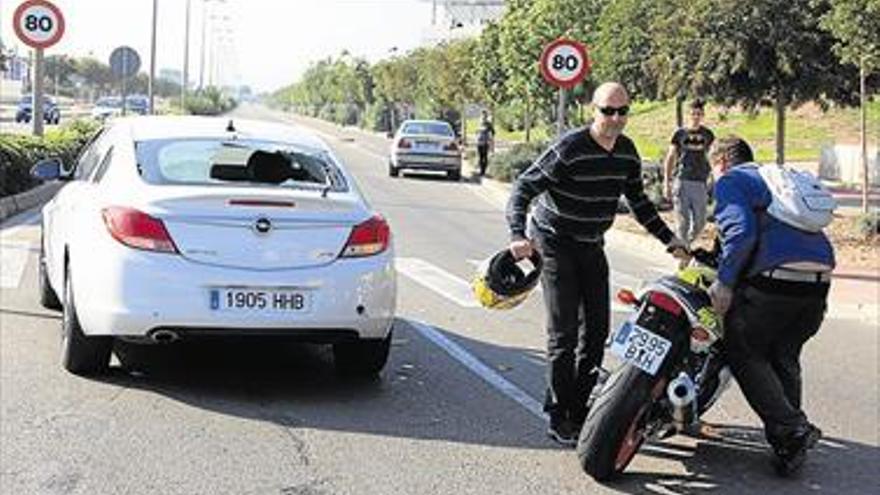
20	202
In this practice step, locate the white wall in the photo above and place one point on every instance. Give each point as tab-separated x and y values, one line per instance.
844	163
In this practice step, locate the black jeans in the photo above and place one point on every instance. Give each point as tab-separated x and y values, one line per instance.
483	153
765	329
576	296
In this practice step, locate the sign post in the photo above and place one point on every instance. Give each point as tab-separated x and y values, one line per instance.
564	64
124	63
38	24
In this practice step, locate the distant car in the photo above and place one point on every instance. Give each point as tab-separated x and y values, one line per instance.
137	104
177	227
425	145
107	106
51	113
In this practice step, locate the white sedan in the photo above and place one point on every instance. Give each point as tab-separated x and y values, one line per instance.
180	227
425	145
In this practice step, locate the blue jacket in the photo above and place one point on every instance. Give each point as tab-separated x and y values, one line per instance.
751	240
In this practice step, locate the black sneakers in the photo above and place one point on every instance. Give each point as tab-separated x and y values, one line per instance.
563	432
792	453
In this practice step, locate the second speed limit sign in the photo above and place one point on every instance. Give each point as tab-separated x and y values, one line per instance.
38	23
564	63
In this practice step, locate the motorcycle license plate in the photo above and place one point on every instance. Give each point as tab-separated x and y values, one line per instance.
640	347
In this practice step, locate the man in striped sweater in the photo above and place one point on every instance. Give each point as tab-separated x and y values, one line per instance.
577	184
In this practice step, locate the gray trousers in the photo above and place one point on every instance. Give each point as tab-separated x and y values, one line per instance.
690	198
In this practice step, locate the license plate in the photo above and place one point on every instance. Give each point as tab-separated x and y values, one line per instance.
427	145
260	300
640	347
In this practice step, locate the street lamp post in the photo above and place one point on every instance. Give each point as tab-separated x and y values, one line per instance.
151	82
185	81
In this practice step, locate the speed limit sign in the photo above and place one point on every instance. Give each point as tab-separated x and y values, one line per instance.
38	23
564	63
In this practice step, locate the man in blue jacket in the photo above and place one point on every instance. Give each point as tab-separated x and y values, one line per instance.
772	286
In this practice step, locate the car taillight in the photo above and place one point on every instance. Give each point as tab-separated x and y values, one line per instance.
663	301
137	229
404	143
451	146
368	238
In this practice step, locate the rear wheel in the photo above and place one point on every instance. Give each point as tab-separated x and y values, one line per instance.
364	357
80	354
392	170
615	427
454	174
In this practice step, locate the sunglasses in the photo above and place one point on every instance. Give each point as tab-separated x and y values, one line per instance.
609	111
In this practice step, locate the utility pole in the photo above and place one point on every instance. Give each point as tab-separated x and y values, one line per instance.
185	80
151	82
202	47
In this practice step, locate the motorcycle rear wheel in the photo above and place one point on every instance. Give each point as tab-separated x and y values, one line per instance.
615	428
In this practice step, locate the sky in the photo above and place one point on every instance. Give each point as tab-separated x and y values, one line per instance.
266	44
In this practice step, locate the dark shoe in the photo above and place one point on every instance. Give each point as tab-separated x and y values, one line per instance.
562	432
791	453
814	434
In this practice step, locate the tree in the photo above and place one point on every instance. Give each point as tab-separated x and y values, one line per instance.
856	25
754	53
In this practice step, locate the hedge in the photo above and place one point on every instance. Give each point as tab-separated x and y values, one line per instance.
19	152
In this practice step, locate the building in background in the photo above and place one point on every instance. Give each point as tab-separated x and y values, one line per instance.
456	19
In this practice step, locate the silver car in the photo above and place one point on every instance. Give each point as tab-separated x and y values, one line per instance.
425	145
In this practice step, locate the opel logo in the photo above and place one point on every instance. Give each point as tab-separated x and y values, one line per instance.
262	225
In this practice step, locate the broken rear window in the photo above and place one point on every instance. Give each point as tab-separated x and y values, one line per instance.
218	162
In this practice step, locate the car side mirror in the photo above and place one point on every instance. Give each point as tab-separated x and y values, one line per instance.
50	169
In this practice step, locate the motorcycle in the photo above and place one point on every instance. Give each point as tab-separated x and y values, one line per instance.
672	370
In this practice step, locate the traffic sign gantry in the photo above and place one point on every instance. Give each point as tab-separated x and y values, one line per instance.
565	63
38	23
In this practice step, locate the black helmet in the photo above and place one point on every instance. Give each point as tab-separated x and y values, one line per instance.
500	282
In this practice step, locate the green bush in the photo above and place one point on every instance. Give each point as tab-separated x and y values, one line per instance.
507	165
19	152
209	101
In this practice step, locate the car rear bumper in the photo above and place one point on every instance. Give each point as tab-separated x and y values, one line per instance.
425	161
134	293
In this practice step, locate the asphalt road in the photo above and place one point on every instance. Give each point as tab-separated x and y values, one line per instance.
456	411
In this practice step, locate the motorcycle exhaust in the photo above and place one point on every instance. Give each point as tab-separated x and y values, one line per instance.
682	394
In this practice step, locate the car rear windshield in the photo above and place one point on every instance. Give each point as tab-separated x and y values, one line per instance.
218	163
436	128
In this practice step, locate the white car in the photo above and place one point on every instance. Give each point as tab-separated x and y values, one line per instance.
106	107
425	145
181	227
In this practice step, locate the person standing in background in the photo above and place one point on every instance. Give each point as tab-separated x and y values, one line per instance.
485	142
687	173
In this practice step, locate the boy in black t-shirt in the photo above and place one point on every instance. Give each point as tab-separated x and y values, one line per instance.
687	172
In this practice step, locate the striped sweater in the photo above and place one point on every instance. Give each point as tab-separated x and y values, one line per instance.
578	184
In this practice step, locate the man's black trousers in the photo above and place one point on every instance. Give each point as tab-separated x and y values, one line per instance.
483	153
765	329
575	286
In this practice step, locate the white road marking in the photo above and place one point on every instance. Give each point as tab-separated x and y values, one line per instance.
13	259
437	280
16	248
483	371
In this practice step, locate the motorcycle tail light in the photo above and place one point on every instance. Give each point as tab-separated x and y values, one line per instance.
626	296
665	302
700	334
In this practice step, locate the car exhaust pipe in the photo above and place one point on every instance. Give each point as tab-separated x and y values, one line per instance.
164	336
681	393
